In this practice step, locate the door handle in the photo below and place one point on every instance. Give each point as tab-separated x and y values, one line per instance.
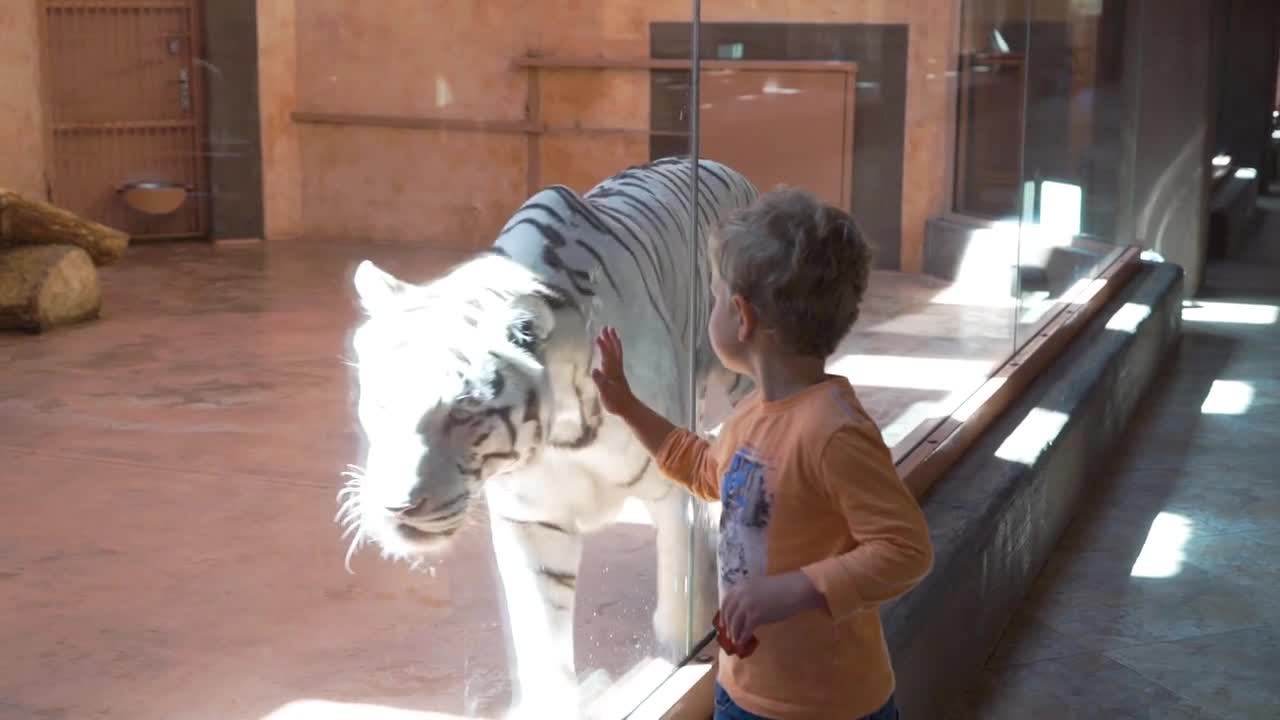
184	89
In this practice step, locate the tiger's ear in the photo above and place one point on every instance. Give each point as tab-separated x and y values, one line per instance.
375	287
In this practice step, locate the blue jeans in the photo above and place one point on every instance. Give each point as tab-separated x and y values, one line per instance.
727	709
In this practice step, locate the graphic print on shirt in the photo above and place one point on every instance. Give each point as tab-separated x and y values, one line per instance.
744	519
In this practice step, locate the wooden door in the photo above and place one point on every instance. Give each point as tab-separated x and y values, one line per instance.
125	105
790	126
991	129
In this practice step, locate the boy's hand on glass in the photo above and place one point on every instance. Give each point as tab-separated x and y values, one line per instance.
650	428
610	378
758	601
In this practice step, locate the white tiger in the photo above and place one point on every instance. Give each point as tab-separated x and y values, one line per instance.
480	381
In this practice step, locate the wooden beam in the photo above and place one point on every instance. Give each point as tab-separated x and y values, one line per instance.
602	63
413	122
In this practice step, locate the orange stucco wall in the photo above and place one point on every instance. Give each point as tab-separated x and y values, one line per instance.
278	96
22	129
452	59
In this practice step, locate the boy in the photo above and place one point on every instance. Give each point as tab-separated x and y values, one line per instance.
817	529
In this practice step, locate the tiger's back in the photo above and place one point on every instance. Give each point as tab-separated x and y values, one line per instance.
622	252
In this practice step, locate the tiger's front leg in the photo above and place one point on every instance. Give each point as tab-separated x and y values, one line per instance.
686	575
538	566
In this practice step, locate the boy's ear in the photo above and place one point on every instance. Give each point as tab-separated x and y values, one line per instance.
745	313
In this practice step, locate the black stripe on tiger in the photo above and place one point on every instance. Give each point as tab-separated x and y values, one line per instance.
490	457
590	425
504	414
498	382
546	209
664	250
648	252
679	193
737	380
555	239
622	223
576	277
684	205
644	281
658	202
557	298
531	414
567	580
583	210
714	173
640	475
544	524
644	209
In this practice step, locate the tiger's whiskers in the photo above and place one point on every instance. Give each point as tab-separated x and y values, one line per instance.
348	516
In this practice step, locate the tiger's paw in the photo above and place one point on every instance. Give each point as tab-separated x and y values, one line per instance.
566	706
669	625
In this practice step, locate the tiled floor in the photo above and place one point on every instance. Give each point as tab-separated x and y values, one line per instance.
1163	598
168	475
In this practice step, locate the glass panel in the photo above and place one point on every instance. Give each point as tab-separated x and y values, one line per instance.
1072	152
575	594
415	135
182	555
857	104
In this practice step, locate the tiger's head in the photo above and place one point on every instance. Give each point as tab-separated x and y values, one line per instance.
457	381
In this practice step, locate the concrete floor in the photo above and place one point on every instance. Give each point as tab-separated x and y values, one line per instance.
168	478
1163	598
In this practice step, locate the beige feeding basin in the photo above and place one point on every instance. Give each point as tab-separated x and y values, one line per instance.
154	198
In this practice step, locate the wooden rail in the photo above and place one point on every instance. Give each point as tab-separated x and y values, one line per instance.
955	434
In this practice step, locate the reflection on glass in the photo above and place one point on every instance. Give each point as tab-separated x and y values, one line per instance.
977	149
475	382
1048	72
857	110
604	568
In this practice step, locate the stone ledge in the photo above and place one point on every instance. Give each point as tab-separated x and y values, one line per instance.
996	516
1231	212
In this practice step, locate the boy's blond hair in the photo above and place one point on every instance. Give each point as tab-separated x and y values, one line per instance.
800	262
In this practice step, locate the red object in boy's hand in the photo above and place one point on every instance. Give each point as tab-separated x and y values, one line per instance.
722	637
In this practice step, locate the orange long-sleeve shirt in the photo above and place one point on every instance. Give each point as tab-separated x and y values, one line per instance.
807	483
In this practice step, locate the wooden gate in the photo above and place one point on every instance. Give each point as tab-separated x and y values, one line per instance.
125	106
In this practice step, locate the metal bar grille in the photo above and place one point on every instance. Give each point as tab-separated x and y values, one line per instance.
124	107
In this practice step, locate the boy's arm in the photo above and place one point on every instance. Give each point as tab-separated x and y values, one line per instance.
687	459
893	550
681	455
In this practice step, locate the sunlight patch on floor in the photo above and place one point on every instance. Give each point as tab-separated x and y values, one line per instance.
1228	397
911	373
1162	554
330	710
1198	311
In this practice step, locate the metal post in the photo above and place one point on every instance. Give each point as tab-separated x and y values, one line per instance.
695	300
